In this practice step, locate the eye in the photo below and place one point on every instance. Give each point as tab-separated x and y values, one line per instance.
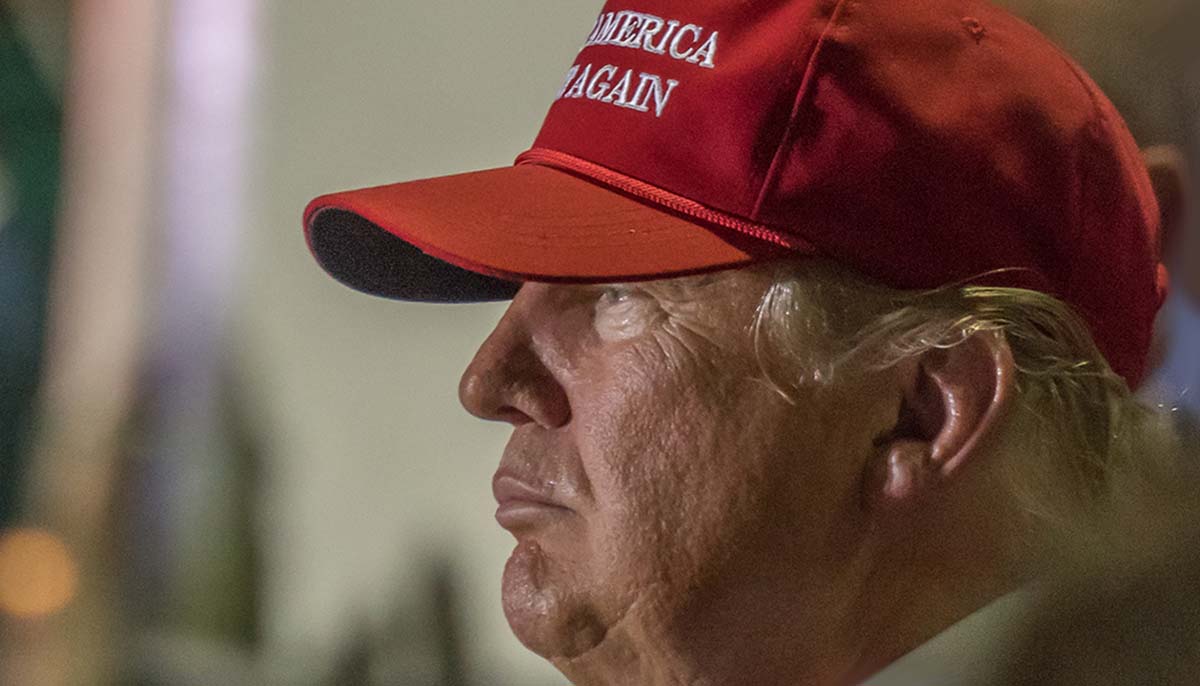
615	294
623	312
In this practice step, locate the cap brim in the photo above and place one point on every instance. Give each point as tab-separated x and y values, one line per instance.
477	236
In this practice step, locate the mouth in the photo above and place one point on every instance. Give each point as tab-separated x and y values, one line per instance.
522	506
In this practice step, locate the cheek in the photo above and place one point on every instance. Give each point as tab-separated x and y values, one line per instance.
630	439
672	471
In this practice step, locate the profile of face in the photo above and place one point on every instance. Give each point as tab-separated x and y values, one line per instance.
654	482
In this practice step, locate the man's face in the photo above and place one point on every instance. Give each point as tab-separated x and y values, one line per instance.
654	481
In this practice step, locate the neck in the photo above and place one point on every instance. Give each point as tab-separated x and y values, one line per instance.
924	581
909	619
838	625
778	630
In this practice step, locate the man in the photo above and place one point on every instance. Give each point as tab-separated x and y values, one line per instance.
824	318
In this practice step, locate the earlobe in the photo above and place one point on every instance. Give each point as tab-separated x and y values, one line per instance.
952	401
902	473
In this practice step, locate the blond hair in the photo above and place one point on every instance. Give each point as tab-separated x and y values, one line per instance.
1088	444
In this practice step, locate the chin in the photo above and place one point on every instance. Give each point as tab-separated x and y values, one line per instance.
545	609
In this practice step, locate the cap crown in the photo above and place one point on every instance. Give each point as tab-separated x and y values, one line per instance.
921	143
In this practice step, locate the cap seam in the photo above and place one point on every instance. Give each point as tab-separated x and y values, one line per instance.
809	74
1082	189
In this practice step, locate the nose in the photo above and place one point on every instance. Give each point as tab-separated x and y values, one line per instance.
508	380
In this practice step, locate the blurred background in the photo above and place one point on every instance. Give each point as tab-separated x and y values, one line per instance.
217	466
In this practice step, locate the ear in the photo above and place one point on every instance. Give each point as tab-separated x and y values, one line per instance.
952	401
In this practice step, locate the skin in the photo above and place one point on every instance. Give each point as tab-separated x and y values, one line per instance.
697	528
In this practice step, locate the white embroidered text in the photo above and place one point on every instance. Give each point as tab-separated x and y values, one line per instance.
635	89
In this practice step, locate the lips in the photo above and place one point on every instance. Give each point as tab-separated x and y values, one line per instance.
522	505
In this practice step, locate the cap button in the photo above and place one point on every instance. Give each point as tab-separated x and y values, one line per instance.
975	28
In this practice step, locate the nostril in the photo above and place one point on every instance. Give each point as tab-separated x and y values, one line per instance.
511	415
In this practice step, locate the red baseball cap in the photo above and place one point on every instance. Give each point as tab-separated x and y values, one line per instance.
920	143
